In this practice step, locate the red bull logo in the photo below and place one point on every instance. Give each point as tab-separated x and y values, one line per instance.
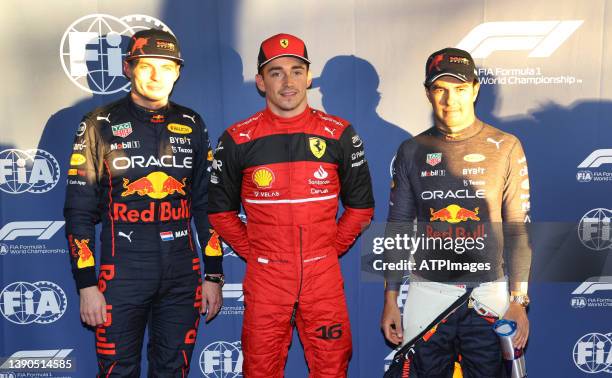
435	62
139	43
454	214
213	248
158	118
86	258
156	185
162	211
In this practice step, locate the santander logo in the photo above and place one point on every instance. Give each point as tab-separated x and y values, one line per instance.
320	173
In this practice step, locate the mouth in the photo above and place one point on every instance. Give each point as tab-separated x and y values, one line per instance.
288	93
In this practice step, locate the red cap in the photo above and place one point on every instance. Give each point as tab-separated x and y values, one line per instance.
281	45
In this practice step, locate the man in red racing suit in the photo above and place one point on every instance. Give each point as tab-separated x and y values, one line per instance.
288	164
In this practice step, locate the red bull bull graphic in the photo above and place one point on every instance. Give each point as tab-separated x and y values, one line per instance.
139	43
85	254
158	118
213	248
454	214
156	185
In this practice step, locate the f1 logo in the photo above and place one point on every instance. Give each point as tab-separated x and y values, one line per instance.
593	284
597	158
44	230
541	38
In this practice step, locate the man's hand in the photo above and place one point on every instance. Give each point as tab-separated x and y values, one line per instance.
211	299
391	322
517	313
93	306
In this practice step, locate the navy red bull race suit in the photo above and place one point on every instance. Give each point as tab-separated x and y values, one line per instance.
143	175
473	187
288	173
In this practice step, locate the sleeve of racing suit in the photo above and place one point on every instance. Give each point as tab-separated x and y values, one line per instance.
355	191
224	195
81	210
515	213
402	212
213	258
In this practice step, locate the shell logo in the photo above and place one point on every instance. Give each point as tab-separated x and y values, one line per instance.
179	129
474	158
263	177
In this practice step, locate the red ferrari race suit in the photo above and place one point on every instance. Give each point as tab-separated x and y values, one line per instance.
289	173
142	175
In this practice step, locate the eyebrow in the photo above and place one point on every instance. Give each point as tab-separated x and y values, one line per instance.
463	85
278	68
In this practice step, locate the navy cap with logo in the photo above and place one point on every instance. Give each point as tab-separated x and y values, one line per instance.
450	62
153	43
281	45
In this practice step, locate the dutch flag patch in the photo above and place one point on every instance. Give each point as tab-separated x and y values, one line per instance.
166	236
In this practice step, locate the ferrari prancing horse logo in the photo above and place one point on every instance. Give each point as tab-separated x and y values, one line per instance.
317	146
284	43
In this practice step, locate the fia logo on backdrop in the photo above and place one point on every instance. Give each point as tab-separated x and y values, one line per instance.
28	171
40	302
222	359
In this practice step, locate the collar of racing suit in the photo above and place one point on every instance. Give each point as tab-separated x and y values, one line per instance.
466	133
295	122
144	114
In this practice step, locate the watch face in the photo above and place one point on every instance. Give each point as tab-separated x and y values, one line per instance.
522	300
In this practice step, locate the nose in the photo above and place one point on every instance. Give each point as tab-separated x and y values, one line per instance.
153	74
287	80
451	98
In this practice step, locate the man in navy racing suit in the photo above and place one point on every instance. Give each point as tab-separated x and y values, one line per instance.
140	167
465	183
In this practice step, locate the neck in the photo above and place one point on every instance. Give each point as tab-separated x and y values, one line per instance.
453	130
146	103
287	113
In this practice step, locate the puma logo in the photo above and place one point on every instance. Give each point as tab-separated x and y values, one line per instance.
127	236
331	131
191	117
104	118
496	143
246	135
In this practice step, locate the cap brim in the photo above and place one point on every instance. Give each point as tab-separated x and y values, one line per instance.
179	60
465	80
279	56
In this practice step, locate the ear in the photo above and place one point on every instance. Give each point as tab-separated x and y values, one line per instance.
260	83
476	91
127	69
309	79
428	95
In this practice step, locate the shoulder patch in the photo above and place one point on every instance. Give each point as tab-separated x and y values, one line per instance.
243	131
103	114
330	126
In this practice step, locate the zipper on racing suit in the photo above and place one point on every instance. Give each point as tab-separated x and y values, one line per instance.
297	300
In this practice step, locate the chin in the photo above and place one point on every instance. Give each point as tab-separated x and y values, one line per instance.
155	97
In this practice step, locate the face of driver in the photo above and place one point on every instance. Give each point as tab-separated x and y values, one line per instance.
285	81
152	80
452	102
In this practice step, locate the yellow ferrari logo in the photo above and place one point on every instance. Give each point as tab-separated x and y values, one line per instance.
284	43
317	146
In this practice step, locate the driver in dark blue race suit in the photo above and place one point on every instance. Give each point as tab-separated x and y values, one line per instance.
140	166
464	182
